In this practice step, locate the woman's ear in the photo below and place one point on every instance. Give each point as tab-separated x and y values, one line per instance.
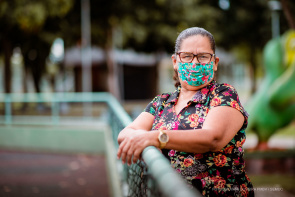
174	61
216	63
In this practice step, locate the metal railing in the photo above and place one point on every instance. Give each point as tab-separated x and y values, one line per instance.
153	177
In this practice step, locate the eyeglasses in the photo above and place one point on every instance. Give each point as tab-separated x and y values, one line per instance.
186	57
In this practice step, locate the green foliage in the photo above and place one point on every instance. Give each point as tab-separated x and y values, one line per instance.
30	16
148	26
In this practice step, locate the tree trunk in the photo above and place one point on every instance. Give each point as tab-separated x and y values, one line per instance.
288	14
7	65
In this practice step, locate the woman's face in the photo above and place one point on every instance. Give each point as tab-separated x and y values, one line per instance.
195	44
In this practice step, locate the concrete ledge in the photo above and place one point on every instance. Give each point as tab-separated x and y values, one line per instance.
54	138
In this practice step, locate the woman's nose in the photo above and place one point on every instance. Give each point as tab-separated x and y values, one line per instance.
195	60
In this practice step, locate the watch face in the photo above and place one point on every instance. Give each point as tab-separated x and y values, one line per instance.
164	137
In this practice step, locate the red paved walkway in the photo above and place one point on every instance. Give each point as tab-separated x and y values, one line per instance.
27	174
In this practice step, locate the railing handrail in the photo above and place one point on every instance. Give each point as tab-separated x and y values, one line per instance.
166	177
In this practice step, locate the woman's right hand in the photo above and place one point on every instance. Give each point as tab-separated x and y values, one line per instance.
132	145
135	137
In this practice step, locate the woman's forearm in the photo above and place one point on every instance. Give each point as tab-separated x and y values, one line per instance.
193	141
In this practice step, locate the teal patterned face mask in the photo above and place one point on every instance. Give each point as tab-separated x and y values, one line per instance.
195	74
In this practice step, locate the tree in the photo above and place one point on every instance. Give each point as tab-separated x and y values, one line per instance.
289	10
30	25
147	26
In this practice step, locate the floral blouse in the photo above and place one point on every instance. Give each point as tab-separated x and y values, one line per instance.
220	173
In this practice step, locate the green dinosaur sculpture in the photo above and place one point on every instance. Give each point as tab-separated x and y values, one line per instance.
273	105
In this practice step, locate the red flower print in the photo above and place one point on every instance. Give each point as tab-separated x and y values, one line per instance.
159	125
171	153
236	162
204	90
226	93
220	160
240	143
188	162
235	105
244	190
201	120
193	119
203	183
219	183
198	156
202	175
175	125
228	150
205	78
215	101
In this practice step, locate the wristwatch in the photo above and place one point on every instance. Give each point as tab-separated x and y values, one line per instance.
163	138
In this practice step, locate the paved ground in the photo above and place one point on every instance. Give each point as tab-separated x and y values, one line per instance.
27	174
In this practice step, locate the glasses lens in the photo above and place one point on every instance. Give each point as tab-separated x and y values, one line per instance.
204	57
186	57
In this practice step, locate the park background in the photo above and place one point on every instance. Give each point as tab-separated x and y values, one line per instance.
125	48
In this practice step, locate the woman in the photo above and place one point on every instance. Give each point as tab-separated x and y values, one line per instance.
200	127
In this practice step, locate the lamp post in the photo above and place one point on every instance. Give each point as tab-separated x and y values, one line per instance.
275	7
86	57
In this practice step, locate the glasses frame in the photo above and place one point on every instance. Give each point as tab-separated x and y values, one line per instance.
195	55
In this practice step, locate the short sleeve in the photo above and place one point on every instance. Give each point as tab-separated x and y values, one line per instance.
153	106
157	103
226	95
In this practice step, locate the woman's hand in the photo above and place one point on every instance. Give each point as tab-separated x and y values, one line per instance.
132	145
135	137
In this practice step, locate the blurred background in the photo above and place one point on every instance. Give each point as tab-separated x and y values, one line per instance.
125	48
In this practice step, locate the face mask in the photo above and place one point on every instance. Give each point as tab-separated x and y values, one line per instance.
195	74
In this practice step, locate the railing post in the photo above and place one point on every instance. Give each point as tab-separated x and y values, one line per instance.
55	109
8	113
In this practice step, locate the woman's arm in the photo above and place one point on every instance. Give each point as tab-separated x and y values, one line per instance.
143	122
221	125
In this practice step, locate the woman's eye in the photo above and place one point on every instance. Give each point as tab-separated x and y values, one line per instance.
203	57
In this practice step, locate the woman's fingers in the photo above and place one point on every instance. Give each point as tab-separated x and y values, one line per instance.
136	155
129	155
122	152
119	153
130	149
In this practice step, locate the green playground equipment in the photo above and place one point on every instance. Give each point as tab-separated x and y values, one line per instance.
273	105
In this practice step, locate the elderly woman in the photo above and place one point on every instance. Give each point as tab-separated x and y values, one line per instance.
200	127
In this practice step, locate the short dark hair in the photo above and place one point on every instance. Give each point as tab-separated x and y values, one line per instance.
192	31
